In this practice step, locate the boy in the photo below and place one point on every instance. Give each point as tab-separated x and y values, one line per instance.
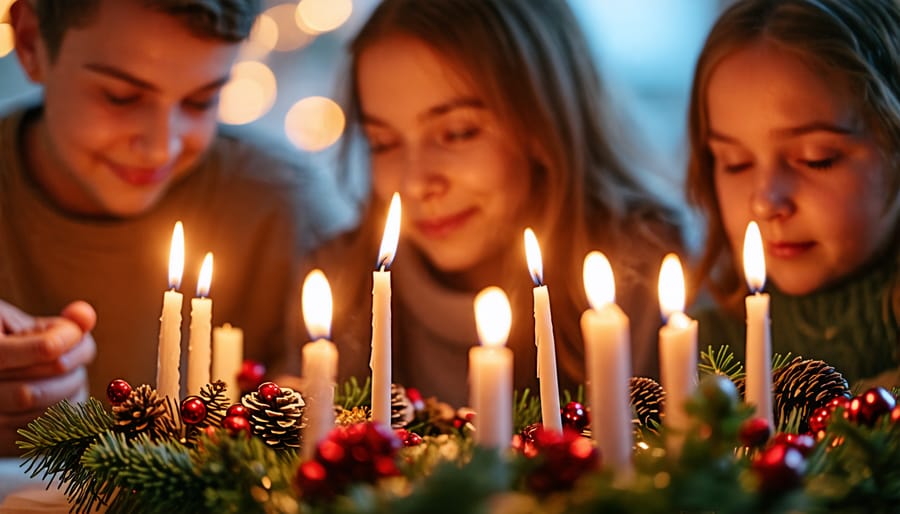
93	179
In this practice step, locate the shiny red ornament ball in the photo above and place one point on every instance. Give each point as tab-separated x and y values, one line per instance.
251	375
118	391
754	432
236	425
575	416
238	410
819	419
268	391
804	443
779	468
873	404
193	410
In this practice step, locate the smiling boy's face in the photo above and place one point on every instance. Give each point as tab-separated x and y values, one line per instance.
130	105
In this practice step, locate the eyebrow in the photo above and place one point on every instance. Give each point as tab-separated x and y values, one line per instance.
433	112
800	130
111	71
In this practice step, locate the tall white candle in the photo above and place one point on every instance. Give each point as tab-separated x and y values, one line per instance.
199	342
759	343
491	370
543	337
677	352
227	357
380	361
169	351
605	329
320	359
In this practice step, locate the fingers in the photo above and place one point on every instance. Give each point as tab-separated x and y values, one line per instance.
82	314
13	320
17	397
57	337
81	354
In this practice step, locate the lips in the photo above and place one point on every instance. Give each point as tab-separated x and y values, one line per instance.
138	176
442	226
788	250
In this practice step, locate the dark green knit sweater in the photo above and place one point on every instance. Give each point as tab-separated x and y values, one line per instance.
853	326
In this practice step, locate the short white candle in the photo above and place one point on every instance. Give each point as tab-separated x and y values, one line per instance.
759	343
605	329
227	357
199	342
677	352
320	359
543	337
380	362
490	370
169	352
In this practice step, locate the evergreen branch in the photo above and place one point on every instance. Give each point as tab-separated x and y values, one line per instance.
779	361
720	361
54	442
526	410
350	394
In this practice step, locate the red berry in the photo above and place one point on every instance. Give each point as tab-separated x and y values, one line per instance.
895	415
838	401
819	419
238	410
118	391
193	410
236	425
268	391
575	416
755	432
804	443
251	375
873	404
779	468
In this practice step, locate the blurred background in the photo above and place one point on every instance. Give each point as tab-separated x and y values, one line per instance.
288	80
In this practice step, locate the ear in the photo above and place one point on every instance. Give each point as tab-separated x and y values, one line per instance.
27	36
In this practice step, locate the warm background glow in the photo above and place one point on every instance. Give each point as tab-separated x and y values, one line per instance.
314	123
249	94
318	16
6	39
289	35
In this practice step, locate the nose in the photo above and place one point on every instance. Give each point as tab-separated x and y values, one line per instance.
158	136
773	191
421	178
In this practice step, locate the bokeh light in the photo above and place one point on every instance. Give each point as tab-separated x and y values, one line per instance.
314	123
6	39
316	16
290	37
249	94
262	39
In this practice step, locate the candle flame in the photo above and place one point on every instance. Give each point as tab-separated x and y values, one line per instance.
599	283
391	235
176	256
533	255
205	278
754	258
317	305
493	316
671	286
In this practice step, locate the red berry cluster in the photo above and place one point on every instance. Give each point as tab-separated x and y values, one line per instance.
865	409
562	458
363	452
408	438
237	420
575	416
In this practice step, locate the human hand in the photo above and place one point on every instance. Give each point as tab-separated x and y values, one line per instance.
42	362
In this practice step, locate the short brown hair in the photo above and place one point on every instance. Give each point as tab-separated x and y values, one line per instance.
228	20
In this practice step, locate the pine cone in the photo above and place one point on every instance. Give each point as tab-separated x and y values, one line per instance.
215	397
647	399
741	384
277	423
143	411
402	412
804	385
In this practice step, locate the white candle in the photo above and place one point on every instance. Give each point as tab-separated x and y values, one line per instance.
228	355
491	370
319	362
605	329
169	351
380	361
543	337
199	343
759	342
677	352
